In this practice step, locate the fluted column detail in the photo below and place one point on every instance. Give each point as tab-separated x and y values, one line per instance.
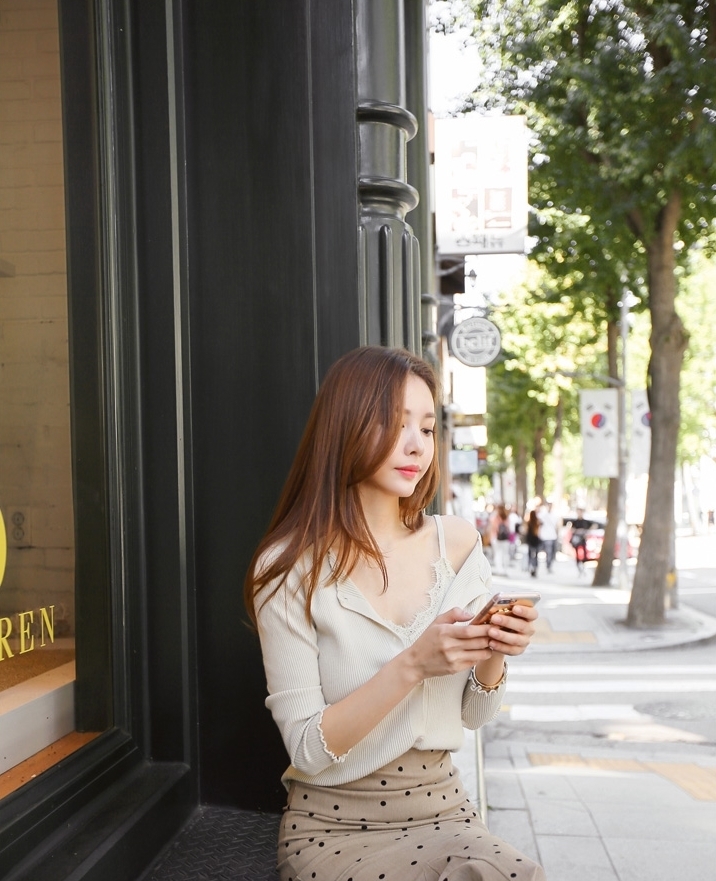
389	258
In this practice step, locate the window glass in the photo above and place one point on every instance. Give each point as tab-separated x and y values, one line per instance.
37	545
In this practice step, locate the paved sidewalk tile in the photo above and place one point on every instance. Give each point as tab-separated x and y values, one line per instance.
602	815
577	859
665	860
515	827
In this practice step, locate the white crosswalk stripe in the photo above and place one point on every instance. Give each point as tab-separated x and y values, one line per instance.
528	681
615	686
570	713
524	668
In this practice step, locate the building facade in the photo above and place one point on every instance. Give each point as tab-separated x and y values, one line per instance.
202	205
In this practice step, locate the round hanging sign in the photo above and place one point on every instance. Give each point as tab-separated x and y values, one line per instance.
475	342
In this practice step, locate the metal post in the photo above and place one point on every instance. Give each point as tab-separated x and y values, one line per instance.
623	449
481	782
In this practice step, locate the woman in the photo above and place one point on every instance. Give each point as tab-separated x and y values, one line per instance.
533	541
362	605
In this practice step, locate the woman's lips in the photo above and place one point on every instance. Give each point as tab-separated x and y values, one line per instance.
408	471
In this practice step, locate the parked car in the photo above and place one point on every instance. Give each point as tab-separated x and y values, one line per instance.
594	538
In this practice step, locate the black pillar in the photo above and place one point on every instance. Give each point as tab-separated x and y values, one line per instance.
389	254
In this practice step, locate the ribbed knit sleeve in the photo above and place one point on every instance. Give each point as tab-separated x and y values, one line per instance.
290	653
480	707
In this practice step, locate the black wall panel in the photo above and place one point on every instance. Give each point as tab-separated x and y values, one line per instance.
167	652
272	255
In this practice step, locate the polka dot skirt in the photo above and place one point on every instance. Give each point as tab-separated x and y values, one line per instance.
409	821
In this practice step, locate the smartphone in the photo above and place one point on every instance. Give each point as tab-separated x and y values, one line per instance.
503	603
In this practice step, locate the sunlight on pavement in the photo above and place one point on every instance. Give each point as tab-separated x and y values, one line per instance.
698	782
544	634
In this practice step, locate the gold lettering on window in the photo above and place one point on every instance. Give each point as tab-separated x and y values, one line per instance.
49	622
5	631
27	640
23	631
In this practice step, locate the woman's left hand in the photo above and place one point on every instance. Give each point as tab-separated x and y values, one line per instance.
511	634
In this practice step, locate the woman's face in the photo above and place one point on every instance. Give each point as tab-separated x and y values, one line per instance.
411	457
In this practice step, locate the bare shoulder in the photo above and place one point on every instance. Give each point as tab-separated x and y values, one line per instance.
460	539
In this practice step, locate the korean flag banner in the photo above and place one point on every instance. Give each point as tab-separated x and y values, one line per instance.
640	449
599	416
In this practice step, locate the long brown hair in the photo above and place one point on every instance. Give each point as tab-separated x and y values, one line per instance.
353	427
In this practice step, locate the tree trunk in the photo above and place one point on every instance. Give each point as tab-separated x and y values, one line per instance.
655	571
603	572
605	564
521	477
538	456
558	459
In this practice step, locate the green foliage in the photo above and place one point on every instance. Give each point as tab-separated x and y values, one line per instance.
620	97
698	377
697	429
546	337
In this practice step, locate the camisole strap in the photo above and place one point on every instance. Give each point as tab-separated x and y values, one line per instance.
441	535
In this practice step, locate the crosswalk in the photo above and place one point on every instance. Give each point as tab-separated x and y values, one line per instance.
570	692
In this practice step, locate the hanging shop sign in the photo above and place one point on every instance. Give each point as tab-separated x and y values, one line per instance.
481	184
475	342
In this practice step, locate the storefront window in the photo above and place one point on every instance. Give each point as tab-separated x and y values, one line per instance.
37	541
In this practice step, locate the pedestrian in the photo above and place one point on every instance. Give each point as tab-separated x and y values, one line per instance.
361	603
548	533
533	541
578	538
515	523
500	537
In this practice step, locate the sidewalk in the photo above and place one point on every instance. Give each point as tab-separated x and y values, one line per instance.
591	812
575	617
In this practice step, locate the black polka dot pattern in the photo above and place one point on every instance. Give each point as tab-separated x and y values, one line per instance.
359	830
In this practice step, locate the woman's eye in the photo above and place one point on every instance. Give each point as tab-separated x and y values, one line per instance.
430	431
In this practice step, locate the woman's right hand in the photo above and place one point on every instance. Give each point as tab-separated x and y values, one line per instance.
449	645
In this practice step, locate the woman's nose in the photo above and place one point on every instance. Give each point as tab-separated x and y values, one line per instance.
415	440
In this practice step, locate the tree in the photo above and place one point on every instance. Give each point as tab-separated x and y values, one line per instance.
531	398
588	271
620	97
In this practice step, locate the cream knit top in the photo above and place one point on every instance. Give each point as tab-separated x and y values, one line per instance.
310	665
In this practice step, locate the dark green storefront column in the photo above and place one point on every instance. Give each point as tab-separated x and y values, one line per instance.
389	254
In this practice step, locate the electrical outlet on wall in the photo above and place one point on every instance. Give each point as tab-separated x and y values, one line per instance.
18	528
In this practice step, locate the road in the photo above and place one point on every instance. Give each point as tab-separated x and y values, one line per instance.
665	696
696	565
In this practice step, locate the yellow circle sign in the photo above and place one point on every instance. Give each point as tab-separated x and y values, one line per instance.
3	548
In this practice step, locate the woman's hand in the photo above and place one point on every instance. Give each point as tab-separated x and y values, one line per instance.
511	634
449	645
506	635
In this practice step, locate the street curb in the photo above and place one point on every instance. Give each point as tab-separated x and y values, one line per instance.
684	626
581	619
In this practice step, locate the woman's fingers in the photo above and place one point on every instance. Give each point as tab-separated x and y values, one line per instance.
450	644
453	616
511	634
